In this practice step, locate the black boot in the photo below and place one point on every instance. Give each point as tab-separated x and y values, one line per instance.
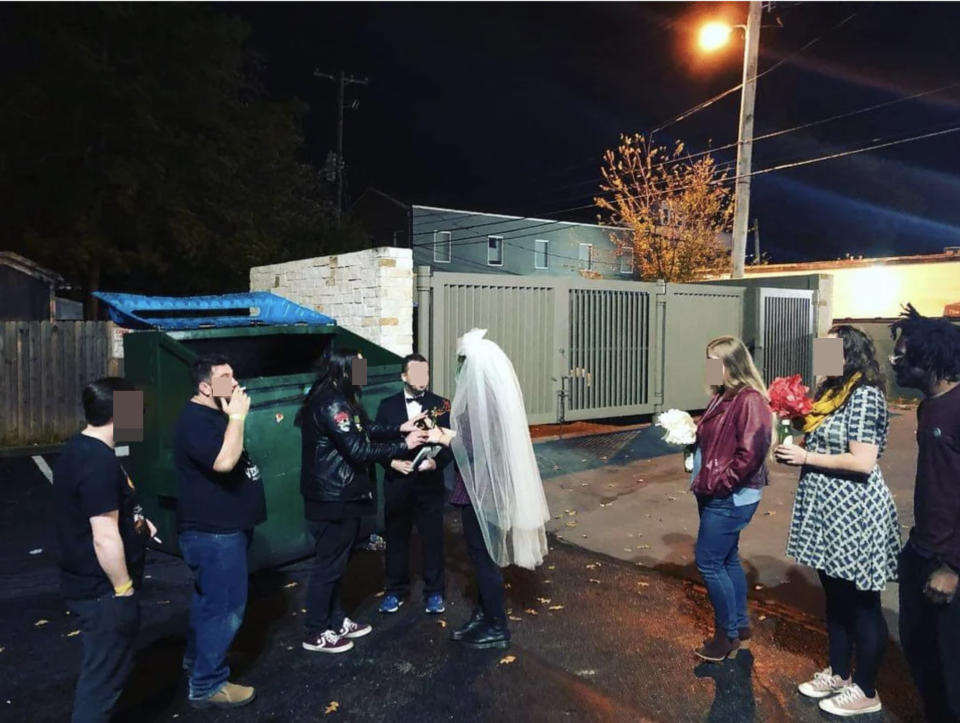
487	635
476	617
720	648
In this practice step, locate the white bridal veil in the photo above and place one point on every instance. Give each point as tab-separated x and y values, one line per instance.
495	455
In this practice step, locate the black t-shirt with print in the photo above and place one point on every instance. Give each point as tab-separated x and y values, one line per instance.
207	500
89	481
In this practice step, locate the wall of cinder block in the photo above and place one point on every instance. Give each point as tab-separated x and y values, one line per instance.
368	292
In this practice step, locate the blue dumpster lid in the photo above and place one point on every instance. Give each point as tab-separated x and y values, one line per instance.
128	310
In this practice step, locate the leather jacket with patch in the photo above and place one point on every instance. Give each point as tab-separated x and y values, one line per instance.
338	449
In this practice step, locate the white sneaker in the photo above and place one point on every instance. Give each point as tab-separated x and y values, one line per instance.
350	629
851	701
824	684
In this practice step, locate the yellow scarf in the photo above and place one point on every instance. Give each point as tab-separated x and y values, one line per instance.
828	404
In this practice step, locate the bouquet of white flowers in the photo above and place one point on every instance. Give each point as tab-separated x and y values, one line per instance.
681	430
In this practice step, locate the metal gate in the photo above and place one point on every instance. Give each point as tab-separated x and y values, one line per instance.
582	349
785	333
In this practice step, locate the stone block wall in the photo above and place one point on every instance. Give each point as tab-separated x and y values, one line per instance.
368	292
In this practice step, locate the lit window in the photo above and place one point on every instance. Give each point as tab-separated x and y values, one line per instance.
442	247
626	260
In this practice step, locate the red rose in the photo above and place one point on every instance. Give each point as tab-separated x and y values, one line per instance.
788	397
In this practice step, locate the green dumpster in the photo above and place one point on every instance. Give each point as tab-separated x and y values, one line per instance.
274	361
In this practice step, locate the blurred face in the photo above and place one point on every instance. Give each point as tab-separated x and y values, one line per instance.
221	382
716	371
417	376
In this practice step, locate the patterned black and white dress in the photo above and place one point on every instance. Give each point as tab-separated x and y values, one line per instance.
843	524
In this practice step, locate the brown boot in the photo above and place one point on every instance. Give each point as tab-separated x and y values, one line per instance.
720	648
230	695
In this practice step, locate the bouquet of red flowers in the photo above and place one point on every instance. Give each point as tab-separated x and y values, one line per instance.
789	401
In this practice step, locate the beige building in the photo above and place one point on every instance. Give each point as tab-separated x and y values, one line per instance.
865	289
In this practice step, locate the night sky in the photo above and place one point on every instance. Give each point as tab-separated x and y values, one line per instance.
508	107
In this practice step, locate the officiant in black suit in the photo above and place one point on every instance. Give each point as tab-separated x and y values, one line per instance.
414	496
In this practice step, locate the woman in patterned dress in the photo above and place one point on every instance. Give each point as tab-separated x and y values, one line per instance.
845	523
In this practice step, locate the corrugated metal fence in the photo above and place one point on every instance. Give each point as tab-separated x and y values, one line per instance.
43	368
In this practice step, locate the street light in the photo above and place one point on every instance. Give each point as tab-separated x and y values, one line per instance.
713	36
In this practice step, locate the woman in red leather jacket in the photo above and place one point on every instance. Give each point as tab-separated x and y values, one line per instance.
734	437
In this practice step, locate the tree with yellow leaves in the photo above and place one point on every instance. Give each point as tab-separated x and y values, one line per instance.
674	205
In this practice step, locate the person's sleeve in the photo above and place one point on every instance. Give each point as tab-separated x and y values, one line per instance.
97	488
867	416
377	431
356	447
202	443
752	444
446	454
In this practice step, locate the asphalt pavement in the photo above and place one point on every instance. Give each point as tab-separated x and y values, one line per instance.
595	638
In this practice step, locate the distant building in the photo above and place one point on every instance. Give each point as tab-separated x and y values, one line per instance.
476	242
868	289
29	292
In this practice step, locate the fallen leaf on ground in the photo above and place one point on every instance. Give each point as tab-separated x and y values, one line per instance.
758	587
762	617
584	484
507	586
627	549
643	584
592	566
594	580
442	623
556	607
547	582
643	547
292	584
586	672
672	499
543	600
332	707
571	524
551	567
515	618
584	537
531	611
379	594
507	660
770	513
72	633
40	623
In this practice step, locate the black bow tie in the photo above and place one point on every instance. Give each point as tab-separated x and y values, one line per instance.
414	399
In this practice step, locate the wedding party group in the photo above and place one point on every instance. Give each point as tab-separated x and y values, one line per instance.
845	523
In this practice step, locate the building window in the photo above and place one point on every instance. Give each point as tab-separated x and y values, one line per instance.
442	247
626	260
586	257
494	250
541	254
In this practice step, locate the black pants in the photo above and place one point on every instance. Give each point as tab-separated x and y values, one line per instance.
855	623
489	579
930	637
333	542
108	626
409	503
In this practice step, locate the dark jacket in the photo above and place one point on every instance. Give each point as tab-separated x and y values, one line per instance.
391	414
734	436
337	451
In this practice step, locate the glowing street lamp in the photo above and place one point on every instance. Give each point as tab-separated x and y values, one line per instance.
714	36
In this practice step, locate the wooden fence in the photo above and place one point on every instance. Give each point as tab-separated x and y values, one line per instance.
43	368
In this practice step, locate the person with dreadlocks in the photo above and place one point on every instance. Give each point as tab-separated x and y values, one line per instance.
926	356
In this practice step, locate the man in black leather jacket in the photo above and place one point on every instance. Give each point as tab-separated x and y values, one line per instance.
337	489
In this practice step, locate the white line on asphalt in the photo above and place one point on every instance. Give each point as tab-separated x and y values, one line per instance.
43	467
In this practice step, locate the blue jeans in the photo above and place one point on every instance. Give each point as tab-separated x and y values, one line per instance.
219	566
718	560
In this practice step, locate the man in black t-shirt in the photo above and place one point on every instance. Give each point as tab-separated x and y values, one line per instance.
220	500
927	357
101	536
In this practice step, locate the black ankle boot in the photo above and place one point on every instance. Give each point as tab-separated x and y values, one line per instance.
476	617
487	635
720	648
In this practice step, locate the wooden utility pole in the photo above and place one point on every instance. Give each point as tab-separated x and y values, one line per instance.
342	82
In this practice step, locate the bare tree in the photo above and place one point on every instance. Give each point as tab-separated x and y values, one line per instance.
674	206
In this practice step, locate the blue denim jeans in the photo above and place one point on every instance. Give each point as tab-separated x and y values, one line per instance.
219	566
718	560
